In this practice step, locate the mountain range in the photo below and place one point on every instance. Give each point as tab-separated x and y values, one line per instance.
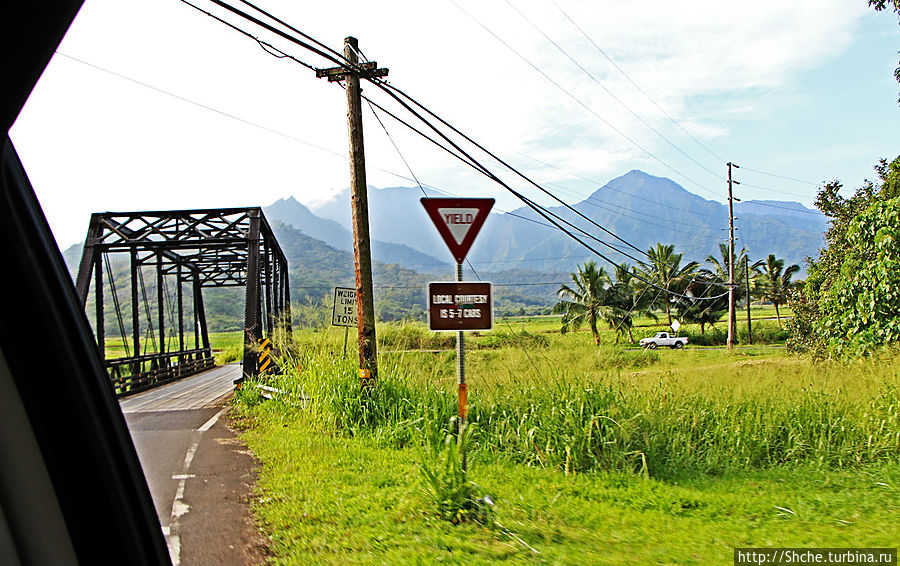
525	259
639	208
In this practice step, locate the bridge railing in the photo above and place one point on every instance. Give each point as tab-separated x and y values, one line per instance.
137	373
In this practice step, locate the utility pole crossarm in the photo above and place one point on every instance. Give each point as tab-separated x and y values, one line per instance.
367	70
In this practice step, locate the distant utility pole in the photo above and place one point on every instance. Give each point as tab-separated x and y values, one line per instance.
747	276
362	253
732	324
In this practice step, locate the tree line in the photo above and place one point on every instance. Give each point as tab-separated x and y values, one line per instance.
663	285
848	306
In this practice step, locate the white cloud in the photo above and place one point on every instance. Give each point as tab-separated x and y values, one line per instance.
92	141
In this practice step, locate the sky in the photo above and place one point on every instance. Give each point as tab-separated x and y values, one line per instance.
157	106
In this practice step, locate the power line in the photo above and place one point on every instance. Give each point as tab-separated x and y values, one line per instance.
390	89
796	180
621	70
462	155
273	131
469	160
580	102
611	94
624	211
769	205
607	187
400	153
746	184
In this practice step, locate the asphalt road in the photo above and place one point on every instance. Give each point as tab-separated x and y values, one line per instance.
199	473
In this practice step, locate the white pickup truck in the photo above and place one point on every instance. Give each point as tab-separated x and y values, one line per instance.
664	339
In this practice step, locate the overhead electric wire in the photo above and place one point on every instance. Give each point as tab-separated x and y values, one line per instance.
400	153
608	187
796	180
390	89
480	168
590	75
597	204
769	205
746	184
642	91
464	157
248	34
336	54
266	128
334	59
469	160
582	103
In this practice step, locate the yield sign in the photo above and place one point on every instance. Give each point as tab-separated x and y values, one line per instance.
458	221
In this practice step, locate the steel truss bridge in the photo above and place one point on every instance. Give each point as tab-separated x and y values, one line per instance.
230	247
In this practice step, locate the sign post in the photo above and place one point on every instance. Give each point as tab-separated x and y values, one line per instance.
458	221
344	312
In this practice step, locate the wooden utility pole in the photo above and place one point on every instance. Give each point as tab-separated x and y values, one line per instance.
732	323
362	253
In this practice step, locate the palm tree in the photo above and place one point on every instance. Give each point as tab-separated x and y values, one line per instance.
584	301
622	302
777	282
720	271
709	306
664	270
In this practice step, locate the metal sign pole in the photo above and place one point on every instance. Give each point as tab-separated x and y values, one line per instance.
461	376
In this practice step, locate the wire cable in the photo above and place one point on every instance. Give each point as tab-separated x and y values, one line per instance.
390	89
590	75
465	157
642	91
582	103
469	160
796	180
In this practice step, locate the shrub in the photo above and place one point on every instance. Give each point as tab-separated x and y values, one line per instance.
455	498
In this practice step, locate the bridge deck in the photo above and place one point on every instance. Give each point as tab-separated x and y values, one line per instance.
201	391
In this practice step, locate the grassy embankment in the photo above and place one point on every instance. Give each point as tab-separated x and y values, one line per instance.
592	455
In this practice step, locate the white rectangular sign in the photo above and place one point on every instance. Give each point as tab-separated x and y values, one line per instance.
344	313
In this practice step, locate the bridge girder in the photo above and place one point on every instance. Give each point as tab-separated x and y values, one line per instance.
229	247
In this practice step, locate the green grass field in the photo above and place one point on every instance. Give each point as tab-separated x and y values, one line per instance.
592	455
226	346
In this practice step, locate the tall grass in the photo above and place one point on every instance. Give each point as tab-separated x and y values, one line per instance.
738	414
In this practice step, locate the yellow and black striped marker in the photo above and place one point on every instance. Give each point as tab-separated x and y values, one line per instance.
265	355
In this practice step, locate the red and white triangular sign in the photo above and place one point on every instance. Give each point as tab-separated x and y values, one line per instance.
458	221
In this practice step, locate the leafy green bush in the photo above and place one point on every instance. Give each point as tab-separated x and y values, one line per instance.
714	336
455	498
849	305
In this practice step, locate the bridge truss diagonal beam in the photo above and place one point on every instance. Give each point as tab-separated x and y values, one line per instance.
203	248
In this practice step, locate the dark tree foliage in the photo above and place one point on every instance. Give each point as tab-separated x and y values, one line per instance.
850	302
708	308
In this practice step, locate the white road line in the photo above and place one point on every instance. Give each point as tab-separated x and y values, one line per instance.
179	507
209	424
